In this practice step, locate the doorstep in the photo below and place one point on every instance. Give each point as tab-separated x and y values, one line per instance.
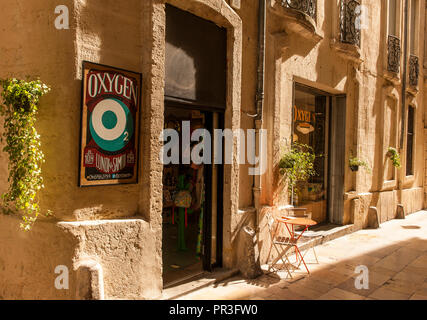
323	233
204	280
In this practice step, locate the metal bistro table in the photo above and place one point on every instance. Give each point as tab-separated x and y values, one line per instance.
290	223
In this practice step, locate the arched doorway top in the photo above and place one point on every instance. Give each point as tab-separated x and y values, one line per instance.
217	11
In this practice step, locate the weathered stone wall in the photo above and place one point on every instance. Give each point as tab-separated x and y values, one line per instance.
248	13
309	52
131	36
31	46
122	249
28	260
424	107
103	32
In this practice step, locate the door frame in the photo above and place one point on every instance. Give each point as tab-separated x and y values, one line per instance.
207	218
334	185
337	148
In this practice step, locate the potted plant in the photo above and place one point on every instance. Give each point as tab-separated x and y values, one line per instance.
394	157
354	164
297	165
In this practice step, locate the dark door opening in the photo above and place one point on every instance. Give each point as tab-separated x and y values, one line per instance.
195	94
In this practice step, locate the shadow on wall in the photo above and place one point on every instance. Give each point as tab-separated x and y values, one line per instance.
107	32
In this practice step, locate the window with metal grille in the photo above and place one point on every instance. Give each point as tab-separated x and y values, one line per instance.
393	42
414	66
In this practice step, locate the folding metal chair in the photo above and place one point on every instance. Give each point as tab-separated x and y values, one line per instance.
281	244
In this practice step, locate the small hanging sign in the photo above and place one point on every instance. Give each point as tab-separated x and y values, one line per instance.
109	126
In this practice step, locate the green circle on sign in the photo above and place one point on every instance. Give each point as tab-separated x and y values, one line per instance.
109	120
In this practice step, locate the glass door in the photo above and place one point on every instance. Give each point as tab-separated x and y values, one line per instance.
310	128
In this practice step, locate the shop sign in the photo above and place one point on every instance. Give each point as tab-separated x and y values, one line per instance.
304	120
109	125
301	115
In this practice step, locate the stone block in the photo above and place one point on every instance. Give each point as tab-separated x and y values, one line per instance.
90	280
373	218
400	212
356	213
249	264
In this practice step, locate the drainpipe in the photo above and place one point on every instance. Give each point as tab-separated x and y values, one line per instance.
250	266
259	99
261	59
405	59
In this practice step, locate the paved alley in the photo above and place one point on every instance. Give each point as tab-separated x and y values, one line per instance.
395	256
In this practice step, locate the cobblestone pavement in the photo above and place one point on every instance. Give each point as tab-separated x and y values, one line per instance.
395	255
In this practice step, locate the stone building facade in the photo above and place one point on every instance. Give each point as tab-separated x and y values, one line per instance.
354	66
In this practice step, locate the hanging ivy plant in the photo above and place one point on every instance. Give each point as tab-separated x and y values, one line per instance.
19	108
297	165
394	157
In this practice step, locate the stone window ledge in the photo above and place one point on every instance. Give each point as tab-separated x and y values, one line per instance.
412	90
347	51
408	181
296	21
389	185
394	78
350	195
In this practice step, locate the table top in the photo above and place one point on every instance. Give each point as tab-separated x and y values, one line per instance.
299	221
294	209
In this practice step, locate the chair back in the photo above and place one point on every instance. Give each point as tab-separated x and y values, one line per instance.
275	228
270	223
270	219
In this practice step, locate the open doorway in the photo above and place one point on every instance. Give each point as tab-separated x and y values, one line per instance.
184	192
192	202
195	96
319	122
310	127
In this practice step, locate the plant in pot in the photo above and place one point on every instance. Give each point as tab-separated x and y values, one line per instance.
354	164
394	157
297	165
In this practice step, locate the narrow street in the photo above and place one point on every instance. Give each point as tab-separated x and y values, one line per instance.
153	150
395	256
